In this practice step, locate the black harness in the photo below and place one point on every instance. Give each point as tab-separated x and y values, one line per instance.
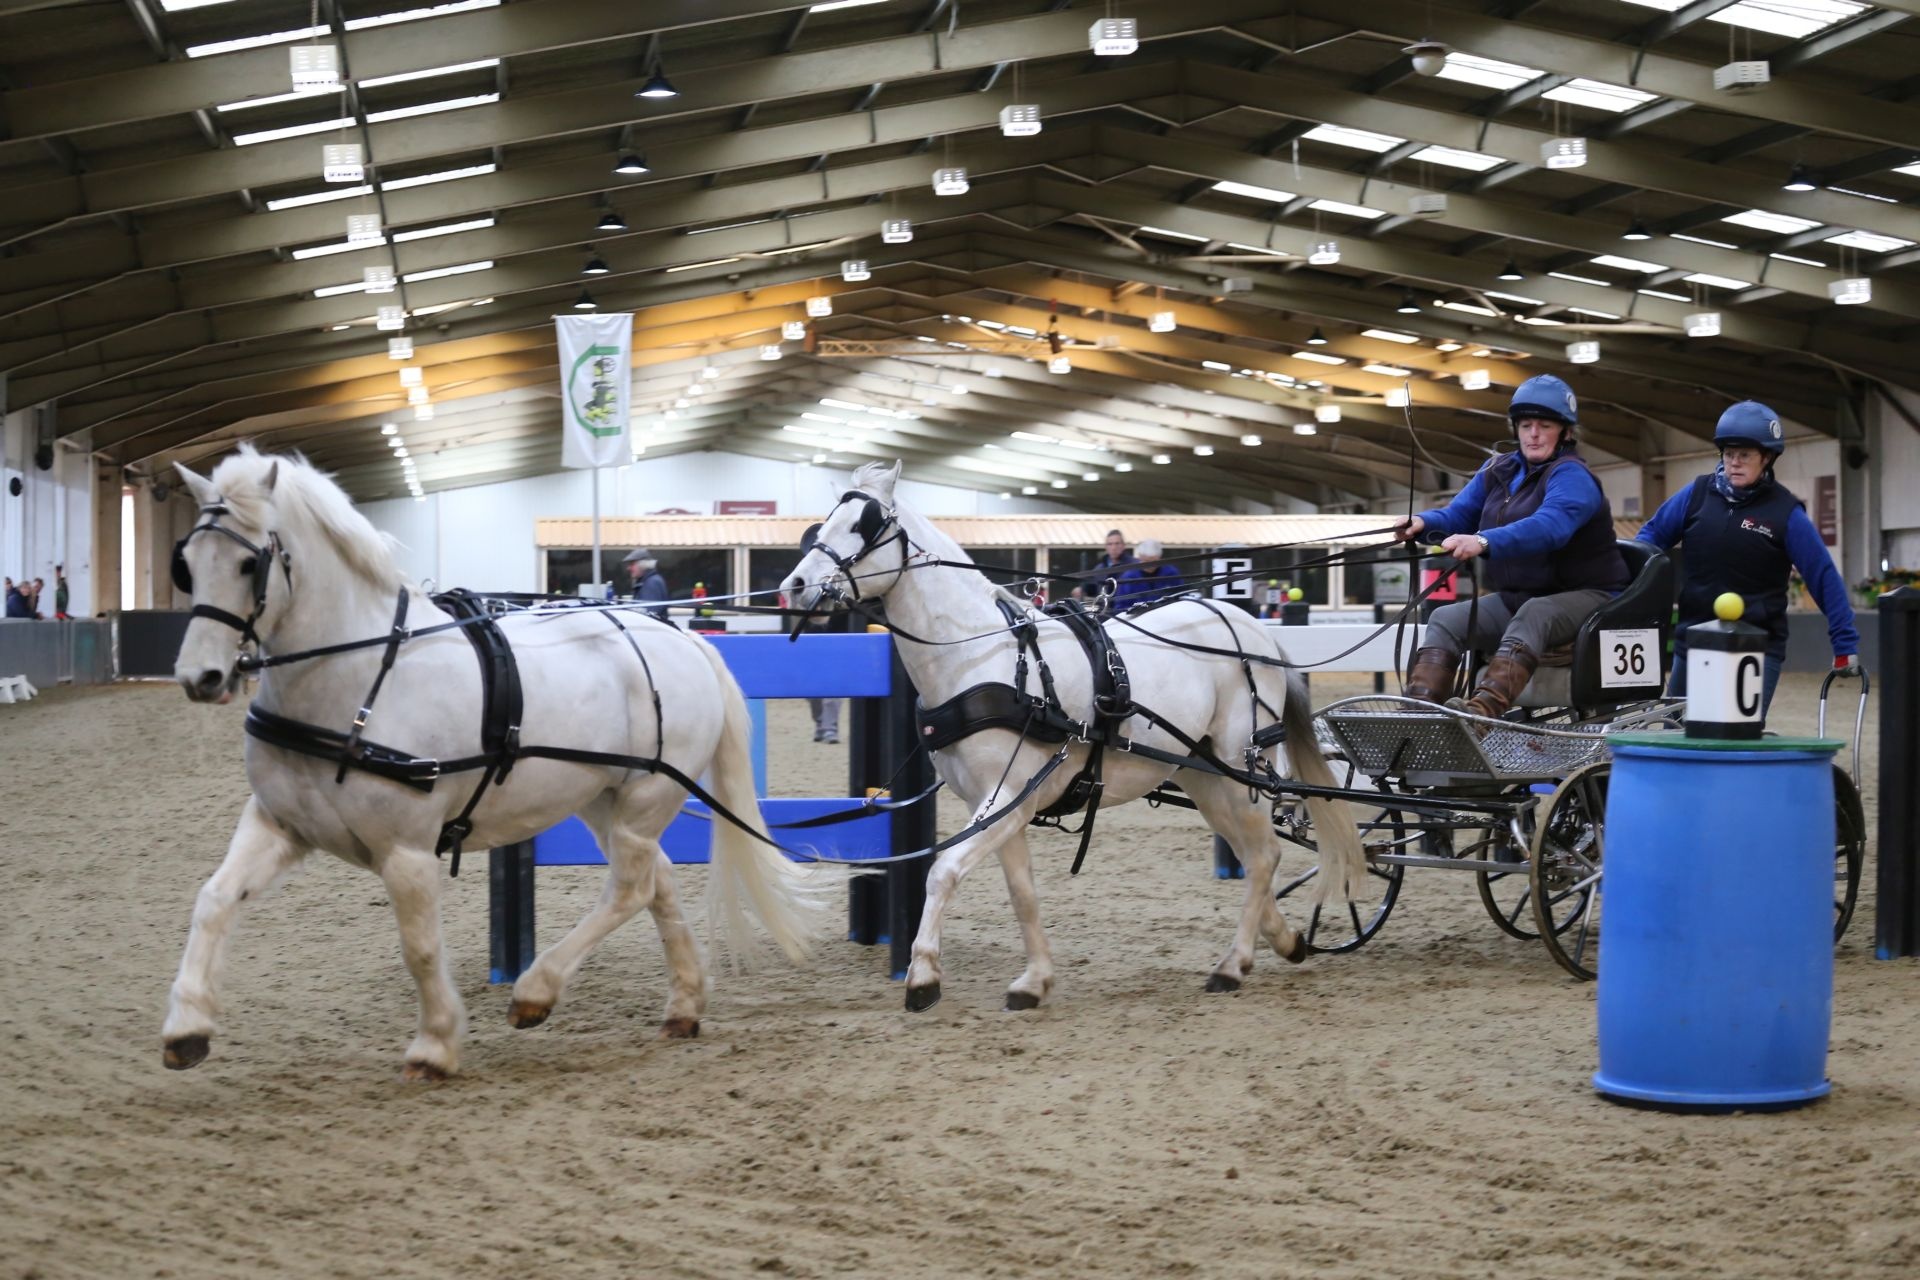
263	558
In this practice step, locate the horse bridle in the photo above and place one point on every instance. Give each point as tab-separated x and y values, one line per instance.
872	527
263	561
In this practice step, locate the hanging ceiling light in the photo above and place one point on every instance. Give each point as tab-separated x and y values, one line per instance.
1583	352
793	330
1851	292
1429	57
1475	380
399	348
820	305
1060	364
896	230
1326	413
1800	180
1563	153
1019	120
1252	442
1306	429
1324	253
1316	338
771	351
950	181
412	376
657	86
1512	271
1113	37
1705	324
1160	322
595	267
1409	305
1162	459
612	221
1203	451
631	162
854	270
1637	231
584	302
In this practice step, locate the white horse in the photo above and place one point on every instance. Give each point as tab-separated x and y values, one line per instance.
280	550
869	553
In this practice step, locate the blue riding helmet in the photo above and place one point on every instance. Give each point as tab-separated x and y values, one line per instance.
1545	396
1751	423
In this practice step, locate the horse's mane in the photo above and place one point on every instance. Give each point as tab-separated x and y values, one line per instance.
282	491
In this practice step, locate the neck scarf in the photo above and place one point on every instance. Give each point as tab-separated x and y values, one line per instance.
1734	494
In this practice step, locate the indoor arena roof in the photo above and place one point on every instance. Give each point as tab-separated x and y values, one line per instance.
175	275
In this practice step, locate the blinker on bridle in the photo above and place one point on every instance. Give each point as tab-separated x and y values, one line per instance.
872	526
263	561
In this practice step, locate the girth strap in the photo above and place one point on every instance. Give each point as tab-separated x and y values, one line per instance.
500	710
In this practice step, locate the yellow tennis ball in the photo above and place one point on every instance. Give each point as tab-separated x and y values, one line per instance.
1728	606
1296	594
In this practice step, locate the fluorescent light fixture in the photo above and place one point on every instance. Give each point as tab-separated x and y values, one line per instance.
1475	379
1718	282
1060	364
397	184
1057	484
1243	189
1359	139
1388	370
770	351
793	330
1662	293
1805	262
1597	315
1851	292
1455	158
273	100
453	70
444	229
337	246
854	270
1161	322
1562	275
1778	223
1318	357
1446	346
1515	297
950	181
1388	335
1471	308
390	318
437	273
1398	398
695	266
412	376
896	230
399	348
819	305
1711	244
423	413
1324	253
291	131
1349	210
1123	466
1542	321
1019	120
1705	324
1252	442
1326	413
1625	264
1587	352
1488	73
1162	459
1172	235
1217	366
1028	490
432	108
1563	153
1203	451
388	429
1112	37
1306	428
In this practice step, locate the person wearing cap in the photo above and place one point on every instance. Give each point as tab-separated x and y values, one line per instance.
648	582
1539	518
1745	532
1148	579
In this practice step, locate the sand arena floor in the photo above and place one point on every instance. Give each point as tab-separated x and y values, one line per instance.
1418	1109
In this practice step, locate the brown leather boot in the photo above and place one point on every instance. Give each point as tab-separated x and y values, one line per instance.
1432	677
1505	675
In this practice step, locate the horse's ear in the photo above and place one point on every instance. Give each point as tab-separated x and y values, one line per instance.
877	478
199	486
273	474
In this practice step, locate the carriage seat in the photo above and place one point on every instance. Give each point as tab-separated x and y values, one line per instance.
1599	669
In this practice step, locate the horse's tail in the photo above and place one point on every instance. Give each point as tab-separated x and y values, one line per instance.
748	875
1343	862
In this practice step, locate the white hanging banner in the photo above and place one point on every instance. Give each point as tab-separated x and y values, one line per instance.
596	388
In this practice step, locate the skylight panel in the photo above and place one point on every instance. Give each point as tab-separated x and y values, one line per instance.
338	246
1388	335
1562	275
1257	193
1778	223
444	175
1316	357
1455	158
1863	195
1258	248
1625	264
1869	241
1514	297
303	33
432	108
252	42
1471	308
1597	315
444	229
1490	73
397	184
273	101
429	73
1595	93
830	5
1662	293
1792	18
175	6
1718	282
1350	210
1805	262
411	15
1387	370
1712	244
1539	320
1359	139
318	197
435	273
1911	170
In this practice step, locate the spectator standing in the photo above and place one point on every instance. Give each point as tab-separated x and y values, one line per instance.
649	584
61	595
17	602
826	711
1149	579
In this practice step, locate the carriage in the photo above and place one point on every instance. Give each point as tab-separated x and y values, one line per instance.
1520	803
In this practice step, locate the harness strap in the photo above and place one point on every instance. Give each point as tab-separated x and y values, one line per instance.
500	711
351	747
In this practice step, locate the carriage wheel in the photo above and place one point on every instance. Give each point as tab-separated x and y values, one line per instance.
1849	849
1565	869
1506	891
1338	928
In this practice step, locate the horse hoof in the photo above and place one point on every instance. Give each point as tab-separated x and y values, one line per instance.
423	1073
1298	951
186	1052
1020	1001
680	1029
921	999
1218	982
524	1014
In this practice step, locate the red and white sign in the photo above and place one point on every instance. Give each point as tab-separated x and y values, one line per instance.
745	507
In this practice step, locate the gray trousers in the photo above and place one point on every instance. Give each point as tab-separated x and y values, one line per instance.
826	717
1542	623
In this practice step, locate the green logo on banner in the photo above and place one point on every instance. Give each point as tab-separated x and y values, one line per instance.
593	395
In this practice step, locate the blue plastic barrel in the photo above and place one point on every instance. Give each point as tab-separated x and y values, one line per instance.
1716	984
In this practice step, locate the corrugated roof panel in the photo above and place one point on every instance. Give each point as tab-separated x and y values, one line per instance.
968	531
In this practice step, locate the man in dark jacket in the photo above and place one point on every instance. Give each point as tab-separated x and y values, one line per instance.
1149	579
1540	519
648	582
1744	532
